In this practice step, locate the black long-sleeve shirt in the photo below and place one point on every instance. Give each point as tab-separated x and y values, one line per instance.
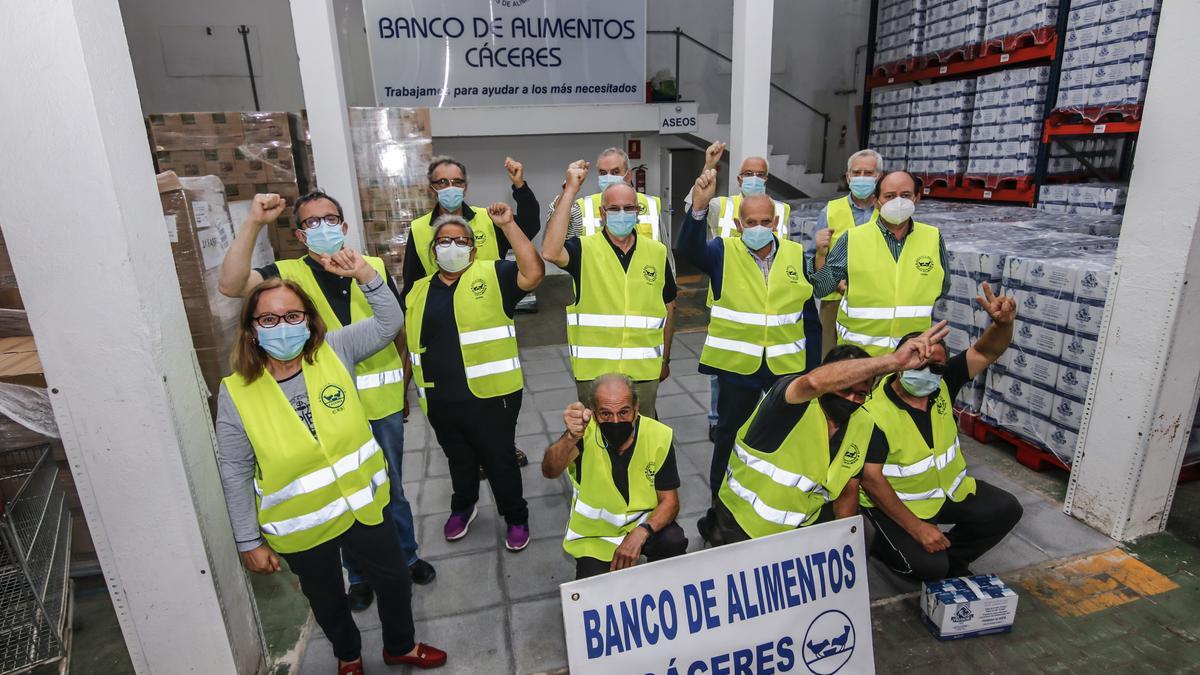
528	218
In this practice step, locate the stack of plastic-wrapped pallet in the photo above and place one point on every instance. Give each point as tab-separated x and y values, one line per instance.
1019	23
891	110
940	130
953	29
1106	61
1006	125
898	33
1083	198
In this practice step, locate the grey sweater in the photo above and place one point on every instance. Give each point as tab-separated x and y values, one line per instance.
235	456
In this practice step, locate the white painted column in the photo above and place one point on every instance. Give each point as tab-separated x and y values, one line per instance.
325	99
1143	390
750	100
84	226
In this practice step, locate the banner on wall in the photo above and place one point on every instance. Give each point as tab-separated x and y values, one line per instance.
795	602
464	53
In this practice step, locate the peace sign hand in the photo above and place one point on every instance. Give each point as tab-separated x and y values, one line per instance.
1002	309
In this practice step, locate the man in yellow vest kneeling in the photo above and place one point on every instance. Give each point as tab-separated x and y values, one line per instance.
798	459
916	479
622	466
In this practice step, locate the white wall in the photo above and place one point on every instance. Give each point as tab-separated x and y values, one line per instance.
279	80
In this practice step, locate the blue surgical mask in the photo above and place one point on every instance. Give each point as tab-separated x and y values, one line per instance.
325	239
620	224
450	198
753	185
285	341
862	186
920	382
757	237
607	180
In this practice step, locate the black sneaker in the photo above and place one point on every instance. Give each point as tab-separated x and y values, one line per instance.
422	572
360	596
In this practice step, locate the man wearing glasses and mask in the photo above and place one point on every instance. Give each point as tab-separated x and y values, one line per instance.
448	186
621	320
379	378
915	476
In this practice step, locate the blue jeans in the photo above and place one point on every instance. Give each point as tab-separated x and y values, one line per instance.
389	433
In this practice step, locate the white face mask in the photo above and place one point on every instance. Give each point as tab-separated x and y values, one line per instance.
453	257
897	211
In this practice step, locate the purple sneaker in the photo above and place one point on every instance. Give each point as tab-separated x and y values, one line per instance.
517	537
458	523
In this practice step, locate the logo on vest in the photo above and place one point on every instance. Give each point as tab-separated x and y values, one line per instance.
333	397
924	264
480	237
940	404
651	471
792	275
479	287
850	457
650	273
828	643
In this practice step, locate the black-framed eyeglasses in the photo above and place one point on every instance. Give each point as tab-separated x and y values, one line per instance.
623	209
293	318
460	241
331	220
443	183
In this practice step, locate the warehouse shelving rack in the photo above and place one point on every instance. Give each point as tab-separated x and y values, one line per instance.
1057	126
35	546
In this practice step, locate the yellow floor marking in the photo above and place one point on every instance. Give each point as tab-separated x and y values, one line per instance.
1086	585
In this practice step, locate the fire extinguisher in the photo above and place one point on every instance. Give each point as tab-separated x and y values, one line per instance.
639	178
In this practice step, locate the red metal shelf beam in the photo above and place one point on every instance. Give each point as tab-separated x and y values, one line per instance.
1089	128
1017	195
1042	52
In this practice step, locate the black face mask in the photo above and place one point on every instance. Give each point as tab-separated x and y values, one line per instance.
615	433
838	409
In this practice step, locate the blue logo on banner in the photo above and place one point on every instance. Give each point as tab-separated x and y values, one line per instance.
828	643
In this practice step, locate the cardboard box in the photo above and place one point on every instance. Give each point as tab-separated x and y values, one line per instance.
968	607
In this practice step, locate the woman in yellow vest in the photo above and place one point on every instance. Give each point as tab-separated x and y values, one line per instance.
302	473
622	466
463	346
917	479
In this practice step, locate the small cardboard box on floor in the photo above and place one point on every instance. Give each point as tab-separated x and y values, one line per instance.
968	607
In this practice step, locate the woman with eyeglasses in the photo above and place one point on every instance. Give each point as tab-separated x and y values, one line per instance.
302	473
463	346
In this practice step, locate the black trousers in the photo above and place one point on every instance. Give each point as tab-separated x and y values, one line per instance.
734	406
666	543
724	528
377	550
980	522
481	432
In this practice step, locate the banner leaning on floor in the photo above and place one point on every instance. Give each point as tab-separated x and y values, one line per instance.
792	602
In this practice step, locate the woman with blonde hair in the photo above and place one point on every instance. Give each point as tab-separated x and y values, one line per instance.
302	473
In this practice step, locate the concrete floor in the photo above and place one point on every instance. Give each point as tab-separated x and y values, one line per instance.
498	612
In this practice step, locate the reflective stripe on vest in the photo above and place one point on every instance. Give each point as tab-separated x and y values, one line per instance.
383	371
486	246
600	515
886	297
617	322
770	492
757	318
729	207
487	335
921	478
648	220
311	488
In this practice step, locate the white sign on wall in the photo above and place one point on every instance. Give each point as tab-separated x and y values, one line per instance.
460	53
795	602
678	118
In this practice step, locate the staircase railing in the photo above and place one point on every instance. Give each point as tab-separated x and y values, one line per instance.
680	36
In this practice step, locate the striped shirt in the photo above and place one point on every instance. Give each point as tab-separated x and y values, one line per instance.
826	280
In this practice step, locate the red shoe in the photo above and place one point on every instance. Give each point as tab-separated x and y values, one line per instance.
427	657
350	668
